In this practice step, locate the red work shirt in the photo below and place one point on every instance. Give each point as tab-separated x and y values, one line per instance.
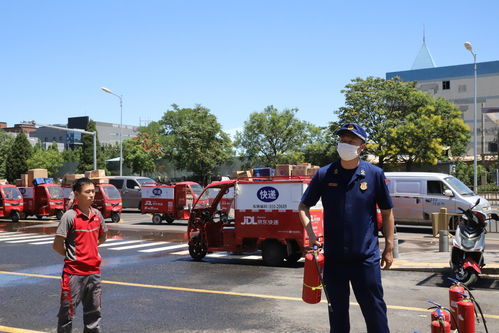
81	233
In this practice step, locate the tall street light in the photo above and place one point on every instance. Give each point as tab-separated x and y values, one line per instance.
121	126
469	47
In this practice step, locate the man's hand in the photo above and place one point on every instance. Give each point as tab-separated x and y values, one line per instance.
387	258
312	240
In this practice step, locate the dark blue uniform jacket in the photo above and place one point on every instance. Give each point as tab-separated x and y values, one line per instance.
349	198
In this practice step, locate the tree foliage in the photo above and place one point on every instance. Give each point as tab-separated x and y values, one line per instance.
273	137
20	152
5	143
142	151
404	124
194	140
87	152
50	159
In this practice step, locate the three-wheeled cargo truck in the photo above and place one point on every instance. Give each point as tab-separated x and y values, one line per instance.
11	202
169	202
251	214
43	200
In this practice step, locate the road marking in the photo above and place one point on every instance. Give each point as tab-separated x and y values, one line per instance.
22	237
181	253
219	292
29	240
214	255
10	234
113	239
16	330
166	248
42	243
120	243
251	257
137	246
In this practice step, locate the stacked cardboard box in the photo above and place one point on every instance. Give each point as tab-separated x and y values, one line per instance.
25	180
244	173
284	170
36	173
101	180
70	178
311	171
95	173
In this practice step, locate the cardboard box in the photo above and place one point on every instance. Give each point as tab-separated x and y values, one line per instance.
25	180
300	170
245	173
19	183
284	170
311	171
100	180
306	164
36	173
96	173
70	178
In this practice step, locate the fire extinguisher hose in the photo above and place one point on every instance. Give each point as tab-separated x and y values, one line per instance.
323	286
439	306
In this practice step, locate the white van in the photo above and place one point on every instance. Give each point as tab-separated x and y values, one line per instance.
416	195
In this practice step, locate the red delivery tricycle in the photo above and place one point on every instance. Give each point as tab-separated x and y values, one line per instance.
108	201
43	200
11	202
169	202
250	214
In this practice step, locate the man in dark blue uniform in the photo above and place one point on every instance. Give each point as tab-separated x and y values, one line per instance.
350	189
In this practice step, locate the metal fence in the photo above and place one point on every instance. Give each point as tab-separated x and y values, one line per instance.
492	197
448	221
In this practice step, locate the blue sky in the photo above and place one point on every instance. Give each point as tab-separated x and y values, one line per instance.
233	57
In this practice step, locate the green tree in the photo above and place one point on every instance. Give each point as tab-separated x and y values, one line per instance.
142	151
71	155
195	140
321	146
404	124
273	137
6	142
19	153
87	152
50	159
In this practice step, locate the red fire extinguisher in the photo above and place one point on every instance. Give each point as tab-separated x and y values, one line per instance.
456	292
466	316
440	318
312	277
440	326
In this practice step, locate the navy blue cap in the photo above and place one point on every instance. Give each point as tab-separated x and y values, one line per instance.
354	129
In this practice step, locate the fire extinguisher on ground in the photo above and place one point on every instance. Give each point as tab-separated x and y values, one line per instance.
440	318
313	283
466	312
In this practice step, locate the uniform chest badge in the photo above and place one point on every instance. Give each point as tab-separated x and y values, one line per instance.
362	172
332	184
363	186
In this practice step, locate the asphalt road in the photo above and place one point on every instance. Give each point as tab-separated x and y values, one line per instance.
152	285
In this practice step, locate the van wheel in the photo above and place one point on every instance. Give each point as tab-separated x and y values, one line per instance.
293	258
15	216
197	249
115	217
273	253
156	218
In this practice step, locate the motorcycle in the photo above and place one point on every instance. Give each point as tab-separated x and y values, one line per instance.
469	243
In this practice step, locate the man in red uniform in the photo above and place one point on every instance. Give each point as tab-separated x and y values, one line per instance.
81	231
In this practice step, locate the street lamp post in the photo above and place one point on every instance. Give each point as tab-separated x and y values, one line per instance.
121	126
469	47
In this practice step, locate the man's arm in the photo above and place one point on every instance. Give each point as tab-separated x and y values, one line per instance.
304	213
59	246
388	230
102	238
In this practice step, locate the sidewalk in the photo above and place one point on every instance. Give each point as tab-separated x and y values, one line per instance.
419	252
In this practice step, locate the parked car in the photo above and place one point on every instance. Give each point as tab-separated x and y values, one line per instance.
130	189
416	195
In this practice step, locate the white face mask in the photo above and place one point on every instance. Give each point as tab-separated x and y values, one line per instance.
347	152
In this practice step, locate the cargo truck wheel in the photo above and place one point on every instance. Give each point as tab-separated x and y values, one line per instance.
293	257
115	217
168	218
273	253
156	218
197	250
15	216
39	217
58	214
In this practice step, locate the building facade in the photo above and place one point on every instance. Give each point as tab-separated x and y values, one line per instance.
456	84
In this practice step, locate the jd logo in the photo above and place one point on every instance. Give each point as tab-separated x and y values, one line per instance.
157	191
248	220
267	194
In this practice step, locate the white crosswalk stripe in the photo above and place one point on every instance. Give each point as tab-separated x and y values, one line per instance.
10	234
42	243
22	237
119	243
137	246
30	240
166	248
